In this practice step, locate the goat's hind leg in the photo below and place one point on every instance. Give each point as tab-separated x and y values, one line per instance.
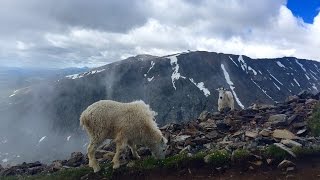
94	144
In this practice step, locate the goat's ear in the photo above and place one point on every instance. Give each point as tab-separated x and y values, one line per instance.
217	89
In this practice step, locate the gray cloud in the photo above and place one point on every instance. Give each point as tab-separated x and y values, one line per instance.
60	33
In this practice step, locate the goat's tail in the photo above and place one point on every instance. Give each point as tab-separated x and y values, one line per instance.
83	121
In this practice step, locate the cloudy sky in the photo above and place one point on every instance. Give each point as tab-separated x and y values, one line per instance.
60	33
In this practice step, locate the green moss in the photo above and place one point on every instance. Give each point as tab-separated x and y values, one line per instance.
275	152
218	158
314	121
175	161
147	163
303	151
240	155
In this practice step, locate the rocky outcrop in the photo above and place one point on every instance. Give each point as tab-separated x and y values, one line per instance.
251	129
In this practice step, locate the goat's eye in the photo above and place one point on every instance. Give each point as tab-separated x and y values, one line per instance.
220	97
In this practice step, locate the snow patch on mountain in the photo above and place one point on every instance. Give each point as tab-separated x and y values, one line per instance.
201	86
307	77
313	74
301	65
152	65
251	69
3	141
175	67
233	61
274	78
264	91
41	139
296	82
245	67
242	63
14	93
68	138
231	85
150	79
276	86
314	86
280	64
81	75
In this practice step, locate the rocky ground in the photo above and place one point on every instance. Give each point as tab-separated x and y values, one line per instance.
259	137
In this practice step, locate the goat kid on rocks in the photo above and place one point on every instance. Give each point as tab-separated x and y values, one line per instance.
129	124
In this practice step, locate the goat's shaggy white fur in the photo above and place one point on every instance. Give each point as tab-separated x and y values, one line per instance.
127	123
225	99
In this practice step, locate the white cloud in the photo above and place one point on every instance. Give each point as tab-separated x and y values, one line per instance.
258	29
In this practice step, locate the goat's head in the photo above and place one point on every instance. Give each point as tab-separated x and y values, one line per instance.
221	91
160	148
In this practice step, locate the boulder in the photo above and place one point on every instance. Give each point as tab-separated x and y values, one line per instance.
286	163
283	134
290	143
212	135
265	132
56	165
204	115
299	124
278	120
292	98
76	159
251	134
208	125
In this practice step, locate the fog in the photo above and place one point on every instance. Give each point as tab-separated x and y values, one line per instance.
27	132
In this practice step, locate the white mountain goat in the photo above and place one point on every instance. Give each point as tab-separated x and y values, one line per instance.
127	123
225	99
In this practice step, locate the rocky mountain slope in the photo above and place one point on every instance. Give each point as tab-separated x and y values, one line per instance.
178	87
259	137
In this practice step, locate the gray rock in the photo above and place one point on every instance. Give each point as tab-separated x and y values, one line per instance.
292	119
209	124
299	124
204	115
277	117
301	131
290	143
180	138
77	158
285	164
265	132
290	169
212	135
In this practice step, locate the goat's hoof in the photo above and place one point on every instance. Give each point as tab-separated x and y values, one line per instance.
96	169
116	165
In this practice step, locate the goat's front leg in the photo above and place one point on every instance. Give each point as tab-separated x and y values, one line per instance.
133	149
120	145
